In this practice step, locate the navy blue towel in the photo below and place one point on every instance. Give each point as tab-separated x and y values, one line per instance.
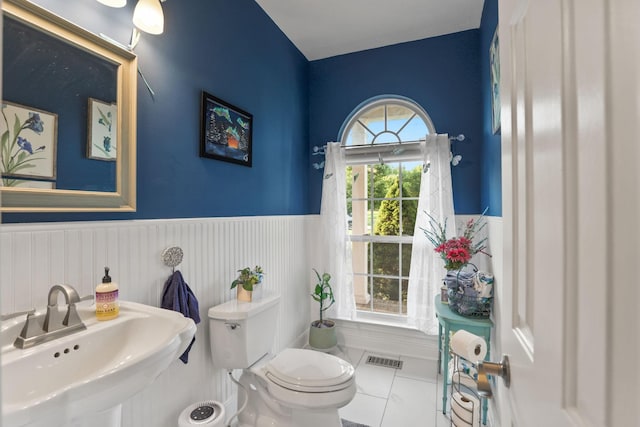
177	296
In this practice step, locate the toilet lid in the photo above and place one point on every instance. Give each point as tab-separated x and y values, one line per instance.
309	370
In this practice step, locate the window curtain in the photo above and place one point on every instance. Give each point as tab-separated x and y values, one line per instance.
336	248
427	268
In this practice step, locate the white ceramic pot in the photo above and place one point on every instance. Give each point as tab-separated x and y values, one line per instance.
323	337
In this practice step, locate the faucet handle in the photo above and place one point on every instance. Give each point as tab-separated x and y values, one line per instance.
87	297
17	314
30	327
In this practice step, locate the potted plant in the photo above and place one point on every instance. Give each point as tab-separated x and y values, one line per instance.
461	289
247	279
322	333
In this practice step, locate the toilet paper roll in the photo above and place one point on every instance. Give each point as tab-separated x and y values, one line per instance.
457	422
468	346
465	410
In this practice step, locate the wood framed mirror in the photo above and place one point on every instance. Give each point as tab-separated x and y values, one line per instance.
68	122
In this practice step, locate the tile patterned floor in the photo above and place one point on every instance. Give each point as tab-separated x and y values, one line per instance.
387	397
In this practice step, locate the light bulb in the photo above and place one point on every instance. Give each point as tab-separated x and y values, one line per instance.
148	16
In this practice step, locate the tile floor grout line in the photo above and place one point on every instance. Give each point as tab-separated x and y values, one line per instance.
417	370
386	402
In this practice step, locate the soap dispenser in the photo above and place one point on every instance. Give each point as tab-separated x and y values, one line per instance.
107	306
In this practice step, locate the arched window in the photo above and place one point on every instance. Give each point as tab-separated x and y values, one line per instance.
384	167
386	120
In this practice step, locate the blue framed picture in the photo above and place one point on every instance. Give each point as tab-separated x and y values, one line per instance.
225	131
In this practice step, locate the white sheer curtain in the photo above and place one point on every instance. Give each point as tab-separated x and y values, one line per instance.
336	248
427	268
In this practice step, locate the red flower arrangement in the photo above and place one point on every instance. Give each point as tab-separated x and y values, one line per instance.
457	251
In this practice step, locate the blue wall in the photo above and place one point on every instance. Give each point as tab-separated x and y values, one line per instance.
71	77
491	152
442	74
234	51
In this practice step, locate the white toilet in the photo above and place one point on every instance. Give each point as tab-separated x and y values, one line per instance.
291	389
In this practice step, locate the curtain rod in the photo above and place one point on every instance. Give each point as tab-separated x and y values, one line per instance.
320	150
394	152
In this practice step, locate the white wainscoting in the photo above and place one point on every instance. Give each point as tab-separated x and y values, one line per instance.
37	256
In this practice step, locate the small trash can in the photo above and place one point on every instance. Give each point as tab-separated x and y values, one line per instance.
203	414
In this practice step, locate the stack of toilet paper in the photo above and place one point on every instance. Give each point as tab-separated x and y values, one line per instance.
465	407
465	410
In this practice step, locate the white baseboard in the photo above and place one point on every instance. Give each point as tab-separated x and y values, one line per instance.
300	341
387	339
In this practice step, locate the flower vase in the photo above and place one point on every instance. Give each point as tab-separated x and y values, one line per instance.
257	291
243	294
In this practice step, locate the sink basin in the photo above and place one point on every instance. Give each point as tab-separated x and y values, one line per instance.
92	370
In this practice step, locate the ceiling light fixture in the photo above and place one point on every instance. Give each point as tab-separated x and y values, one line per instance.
148	16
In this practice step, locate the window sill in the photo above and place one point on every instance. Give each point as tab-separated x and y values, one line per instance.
383	319
386	334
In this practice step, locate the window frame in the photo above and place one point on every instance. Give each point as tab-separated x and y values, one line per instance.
379	101
371	154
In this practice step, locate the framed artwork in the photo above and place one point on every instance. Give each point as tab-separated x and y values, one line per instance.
30	183
102	135
225	131
28	144
494	60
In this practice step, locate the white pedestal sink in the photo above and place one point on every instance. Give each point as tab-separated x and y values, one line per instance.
92	371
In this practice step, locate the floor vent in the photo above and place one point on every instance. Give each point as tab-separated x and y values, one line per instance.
383	361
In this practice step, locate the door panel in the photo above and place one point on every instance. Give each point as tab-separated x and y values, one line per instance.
535	134
570	205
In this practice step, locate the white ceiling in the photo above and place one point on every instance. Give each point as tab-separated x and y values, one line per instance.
325	28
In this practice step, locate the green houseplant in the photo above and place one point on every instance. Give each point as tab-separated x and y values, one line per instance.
247	279
322	333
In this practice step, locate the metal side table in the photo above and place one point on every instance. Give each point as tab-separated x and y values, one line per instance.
449	322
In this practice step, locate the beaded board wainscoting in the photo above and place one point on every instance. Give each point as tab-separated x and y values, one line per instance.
36	256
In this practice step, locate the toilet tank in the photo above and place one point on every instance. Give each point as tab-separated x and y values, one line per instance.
240	333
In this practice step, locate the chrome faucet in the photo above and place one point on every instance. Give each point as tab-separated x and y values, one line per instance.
49	326
71	318
9	316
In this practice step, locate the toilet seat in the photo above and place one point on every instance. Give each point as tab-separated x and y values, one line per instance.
309	371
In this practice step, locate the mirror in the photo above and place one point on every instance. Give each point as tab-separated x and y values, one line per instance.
68	122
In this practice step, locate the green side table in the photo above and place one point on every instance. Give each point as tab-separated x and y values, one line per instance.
449	322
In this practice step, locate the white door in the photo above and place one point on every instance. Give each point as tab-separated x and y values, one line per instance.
568	303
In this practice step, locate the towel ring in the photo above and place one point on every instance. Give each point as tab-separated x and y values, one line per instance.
172	257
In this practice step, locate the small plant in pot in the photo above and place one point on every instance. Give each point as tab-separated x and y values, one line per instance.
322	333
247	281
